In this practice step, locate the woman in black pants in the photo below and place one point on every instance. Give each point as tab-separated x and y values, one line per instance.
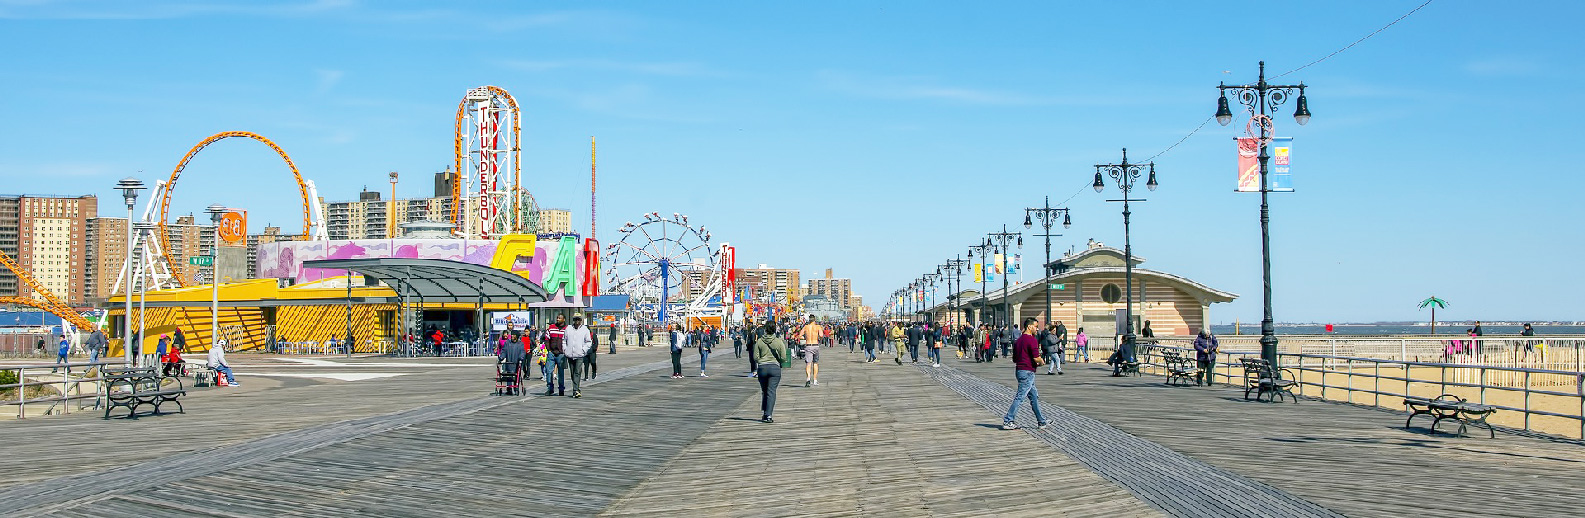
677	338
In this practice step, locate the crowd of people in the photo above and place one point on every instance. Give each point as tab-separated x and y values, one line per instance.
770	345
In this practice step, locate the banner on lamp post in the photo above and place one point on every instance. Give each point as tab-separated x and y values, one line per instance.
979	272
1279	175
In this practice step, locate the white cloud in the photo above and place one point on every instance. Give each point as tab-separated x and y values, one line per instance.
929	89
1504	67
648	68
328	79
90	10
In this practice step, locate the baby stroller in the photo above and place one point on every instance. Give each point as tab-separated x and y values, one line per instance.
508	379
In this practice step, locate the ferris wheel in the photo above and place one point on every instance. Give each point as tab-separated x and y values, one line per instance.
658	259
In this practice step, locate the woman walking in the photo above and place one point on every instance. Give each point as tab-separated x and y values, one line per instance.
705	346
1081	346
678	339
768	351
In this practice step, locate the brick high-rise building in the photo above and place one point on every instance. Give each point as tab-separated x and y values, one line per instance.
47	237
764	281
839	291
555	221
105	253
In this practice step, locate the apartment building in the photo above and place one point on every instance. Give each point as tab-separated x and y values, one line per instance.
840	291
765	281
106	253
46	236
555	221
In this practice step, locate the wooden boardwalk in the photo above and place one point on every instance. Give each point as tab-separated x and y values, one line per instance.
871	440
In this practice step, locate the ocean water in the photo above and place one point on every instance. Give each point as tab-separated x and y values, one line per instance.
1396	329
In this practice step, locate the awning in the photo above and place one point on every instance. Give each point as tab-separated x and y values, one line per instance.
440	280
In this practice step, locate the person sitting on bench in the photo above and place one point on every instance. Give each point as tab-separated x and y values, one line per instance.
172	361
217	360
1124	355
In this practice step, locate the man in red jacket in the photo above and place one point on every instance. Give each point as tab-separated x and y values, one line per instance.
1025	351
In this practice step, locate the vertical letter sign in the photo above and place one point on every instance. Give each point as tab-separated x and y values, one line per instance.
591	267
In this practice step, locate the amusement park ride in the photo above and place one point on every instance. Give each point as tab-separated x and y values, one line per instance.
486	202
654	259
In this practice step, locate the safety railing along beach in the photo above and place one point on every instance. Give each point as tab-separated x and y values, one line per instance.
67	387
1541	389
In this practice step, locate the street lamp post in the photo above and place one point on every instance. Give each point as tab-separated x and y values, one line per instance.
1000	241
1125	174
1047	216
216	212
129	187
930	281
984	298
956	264
1258	98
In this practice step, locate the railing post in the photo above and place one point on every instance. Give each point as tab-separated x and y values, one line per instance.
1483	385
1526	400
1403	352
65	377
22	393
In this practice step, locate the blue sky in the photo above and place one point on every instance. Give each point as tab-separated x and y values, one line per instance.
876	138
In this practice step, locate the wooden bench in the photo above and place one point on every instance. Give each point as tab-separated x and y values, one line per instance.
1180	368
135	387
1264	380
1448	406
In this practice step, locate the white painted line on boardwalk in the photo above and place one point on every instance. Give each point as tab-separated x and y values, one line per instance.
343	376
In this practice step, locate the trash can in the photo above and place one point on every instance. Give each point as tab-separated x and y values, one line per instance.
786	361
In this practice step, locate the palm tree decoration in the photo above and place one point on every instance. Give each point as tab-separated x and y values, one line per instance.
1433	303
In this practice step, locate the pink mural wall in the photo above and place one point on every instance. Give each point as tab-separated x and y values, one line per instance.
284	260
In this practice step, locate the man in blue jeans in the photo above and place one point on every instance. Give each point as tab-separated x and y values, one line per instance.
1025	351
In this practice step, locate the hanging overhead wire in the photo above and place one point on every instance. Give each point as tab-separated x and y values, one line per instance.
1306	65
1180	141
1356	42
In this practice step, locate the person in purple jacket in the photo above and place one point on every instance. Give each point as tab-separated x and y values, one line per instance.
1025	350
1205	348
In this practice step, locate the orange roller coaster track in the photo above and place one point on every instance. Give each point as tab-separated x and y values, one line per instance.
50	302
165	202
457	212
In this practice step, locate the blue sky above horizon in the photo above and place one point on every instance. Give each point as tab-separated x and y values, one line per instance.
876	138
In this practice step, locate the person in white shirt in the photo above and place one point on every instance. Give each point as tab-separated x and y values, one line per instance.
217	360
576	343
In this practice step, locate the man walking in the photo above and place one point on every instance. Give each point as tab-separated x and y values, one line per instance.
612	338
914	334
767	353
1025	350
96	344
678	338
577	342
895	336
810	336
555	362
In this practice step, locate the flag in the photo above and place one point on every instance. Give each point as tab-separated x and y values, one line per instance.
1279	176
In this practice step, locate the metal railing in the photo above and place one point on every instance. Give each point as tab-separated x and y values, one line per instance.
63	398
1550	401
